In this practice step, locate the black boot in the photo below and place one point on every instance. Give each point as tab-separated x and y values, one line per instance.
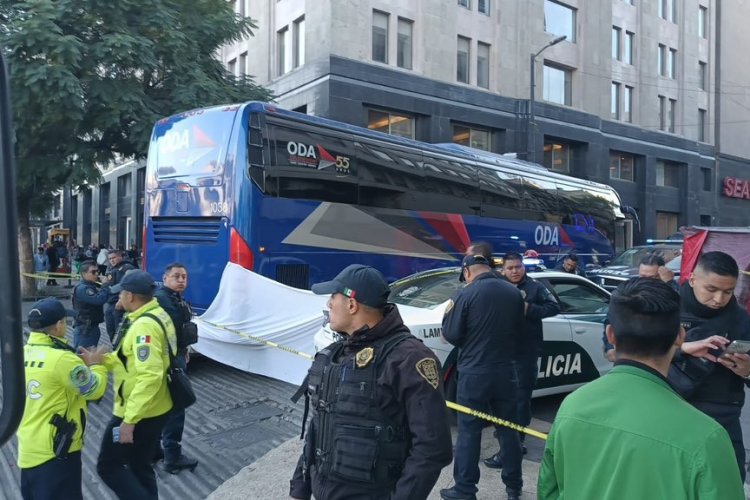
182	462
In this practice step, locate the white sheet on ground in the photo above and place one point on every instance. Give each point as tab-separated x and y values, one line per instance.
266	309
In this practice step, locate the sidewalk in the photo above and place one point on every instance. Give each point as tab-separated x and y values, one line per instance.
268	478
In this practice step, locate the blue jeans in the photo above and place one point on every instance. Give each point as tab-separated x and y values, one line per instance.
171	436
112	318
86	336
494	393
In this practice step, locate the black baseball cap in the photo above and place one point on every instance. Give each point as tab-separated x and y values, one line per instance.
135	281
46	313
362	283
471	260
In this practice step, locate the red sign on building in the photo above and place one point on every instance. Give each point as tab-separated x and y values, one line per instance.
736	188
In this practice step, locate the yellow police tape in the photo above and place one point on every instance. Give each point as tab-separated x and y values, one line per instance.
450	404
51	275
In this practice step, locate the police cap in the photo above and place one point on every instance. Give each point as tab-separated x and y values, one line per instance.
46	313
362	283
472	260
135	281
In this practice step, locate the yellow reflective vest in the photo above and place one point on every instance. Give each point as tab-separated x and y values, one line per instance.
57	382
139	365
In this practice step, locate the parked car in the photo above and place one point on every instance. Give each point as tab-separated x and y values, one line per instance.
572	340
625	266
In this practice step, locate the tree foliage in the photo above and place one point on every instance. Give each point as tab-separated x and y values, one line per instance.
90	77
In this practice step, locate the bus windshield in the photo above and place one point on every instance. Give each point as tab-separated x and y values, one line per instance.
190	147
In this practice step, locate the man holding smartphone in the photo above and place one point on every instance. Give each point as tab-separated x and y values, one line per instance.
713	319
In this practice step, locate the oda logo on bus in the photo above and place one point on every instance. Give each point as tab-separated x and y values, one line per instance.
546	235
306	155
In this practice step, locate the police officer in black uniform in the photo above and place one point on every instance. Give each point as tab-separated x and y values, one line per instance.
88	301
118	268
379	426
539	303
485	321
170	298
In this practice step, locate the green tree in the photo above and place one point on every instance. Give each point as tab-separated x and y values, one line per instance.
90	77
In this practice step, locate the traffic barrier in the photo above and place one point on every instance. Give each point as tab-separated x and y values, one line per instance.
450	404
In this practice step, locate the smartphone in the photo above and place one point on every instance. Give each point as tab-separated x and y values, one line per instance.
738	346
116	435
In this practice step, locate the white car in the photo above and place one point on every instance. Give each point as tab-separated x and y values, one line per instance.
572	340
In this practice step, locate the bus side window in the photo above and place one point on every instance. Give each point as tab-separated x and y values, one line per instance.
502	194
257	147
388	176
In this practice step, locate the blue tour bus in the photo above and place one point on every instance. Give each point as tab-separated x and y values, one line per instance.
296	198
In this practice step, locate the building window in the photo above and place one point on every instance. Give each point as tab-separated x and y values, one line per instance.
702	21
662	113
465	3
621	166
243	65
705	220
702	74
284	64
667	174
472	137
661	60
627	52
557	156
483	65
615	108
483	6
616	43
124	186
672	114
298	42
462	60
706	174
668	10
405	30
557	84
232	67
390	123
666	224
379	36
702	125
627	104
560	19
672	63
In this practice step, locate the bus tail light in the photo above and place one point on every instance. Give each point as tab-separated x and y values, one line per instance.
239	252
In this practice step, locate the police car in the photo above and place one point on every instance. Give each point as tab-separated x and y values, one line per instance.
625	266
572	352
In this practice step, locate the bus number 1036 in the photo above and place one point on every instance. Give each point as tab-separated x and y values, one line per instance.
219	207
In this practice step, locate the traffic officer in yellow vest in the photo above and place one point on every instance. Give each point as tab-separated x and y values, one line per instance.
58	385
142	401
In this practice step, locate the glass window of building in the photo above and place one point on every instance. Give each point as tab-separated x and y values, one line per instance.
232	67
661	60
702	21
465	3
627	49
405	35
666	224
702	75
706	174
627	104
667	174
615	108
282	62
668	10
390	123
298	42
702	125
557	156
616	43
621	166
379	36
462	60
472	137
672	114
483	65
243	65
560	19
483	6
557	84
662	113
672	63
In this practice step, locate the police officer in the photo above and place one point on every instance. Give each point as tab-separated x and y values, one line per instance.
117	269
570	265
379	426
58	385
88	301
142	401
485	321
170	298
539	303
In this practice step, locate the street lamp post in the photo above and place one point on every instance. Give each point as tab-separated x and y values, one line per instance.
530	141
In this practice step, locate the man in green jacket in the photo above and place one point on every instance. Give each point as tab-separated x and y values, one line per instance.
629	435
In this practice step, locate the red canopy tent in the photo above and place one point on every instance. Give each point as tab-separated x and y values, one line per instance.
733	240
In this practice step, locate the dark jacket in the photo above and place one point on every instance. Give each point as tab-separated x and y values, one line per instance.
115	274
177	308
88	301
559	267
485	321
406	395
721	386
541	304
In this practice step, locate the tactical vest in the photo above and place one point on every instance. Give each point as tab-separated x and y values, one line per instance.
87	313
351	438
